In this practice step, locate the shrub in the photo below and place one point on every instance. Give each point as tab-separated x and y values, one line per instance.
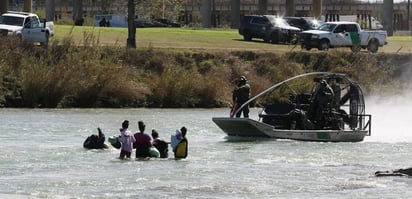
89	75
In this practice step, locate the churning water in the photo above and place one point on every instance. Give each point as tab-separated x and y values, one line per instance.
42	157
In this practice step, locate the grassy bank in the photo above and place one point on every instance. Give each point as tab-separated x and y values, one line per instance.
197	39
80	70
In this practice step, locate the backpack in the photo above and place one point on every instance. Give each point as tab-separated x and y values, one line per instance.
181	149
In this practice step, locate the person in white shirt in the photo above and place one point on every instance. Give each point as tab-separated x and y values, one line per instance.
126	139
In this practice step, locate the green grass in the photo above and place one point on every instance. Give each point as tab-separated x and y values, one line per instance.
200	39
400	38
170	38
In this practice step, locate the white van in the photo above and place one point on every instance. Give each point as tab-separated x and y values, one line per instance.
364	23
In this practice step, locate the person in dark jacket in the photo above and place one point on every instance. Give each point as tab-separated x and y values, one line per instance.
95	141
102	22
241	94
160	144
321	99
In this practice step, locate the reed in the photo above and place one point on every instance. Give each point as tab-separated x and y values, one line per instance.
88	74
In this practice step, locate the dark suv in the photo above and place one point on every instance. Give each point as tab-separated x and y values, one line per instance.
270	28
303	23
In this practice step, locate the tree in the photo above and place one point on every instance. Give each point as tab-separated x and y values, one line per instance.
105	6
4	6
78	12
50	8
27	6
131	40
154	9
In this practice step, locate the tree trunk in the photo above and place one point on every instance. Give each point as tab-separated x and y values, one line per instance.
78	12
105	6
27	6
50	8
131	40
4	6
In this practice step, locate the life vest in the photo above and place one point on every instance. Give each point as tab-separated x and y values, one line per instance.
114	141
181	149
154	153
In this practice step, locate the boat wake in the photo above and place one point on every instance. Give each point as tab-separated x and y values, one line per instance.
246	139
392	120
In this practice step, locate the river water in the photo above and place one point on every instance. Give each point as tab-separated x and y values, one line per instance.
42	157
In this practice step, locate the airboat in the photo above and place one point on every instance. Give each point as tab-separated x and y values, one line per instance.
294	112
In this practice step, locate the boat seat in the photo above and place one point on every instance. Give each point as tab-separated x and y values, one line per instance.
277	110
277	115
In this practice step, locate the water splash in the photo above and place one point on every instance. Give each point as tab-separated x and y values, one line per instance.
391	118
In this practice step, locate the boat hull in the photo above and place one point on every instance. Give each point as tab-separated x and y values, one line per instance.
244	127
320	135
247	127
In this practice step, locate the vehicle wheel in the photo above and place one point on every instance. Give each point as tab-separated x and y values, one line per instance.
247	36
305	47
274	37
294	40
323	45
373	46
355	48
47	40
19	38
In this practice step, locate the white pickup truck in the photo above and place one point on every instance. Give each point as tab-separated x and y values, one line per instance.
343	34
26	26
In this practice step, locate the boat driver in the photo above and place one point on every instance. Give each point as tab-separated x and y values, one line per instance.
322	98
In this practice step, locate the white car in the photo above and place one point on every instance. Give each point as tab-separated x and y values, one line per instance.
26	26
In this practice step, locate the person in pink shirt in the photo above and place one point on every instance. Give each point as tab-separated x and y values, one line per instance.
143	142
126	139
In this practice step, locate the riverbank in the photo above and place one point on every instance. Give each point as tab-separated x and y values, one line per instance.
68	75
195	39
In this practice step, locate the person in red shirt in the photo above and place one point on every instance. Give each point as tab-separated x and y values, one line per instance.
143	142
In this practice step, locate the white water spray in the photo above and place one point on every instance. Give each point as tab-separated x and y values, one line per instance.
392	115
391	119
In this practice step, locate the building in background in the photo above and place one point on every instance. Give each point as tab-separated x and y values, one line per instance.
188	12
